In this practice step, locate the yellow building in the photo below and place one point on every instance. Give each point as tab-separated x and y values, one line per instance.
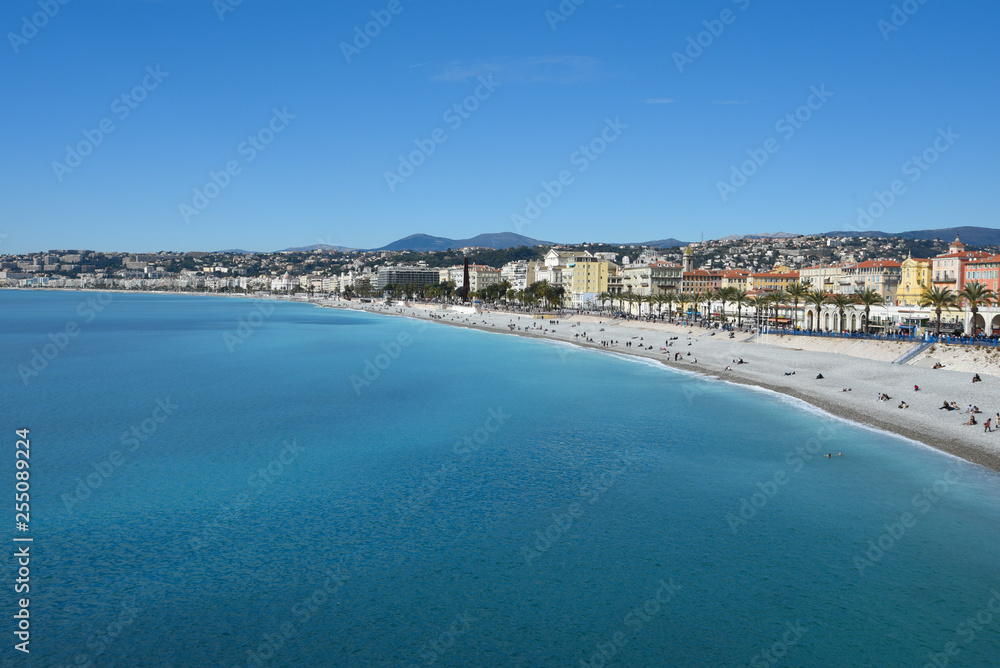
773	281
916	277
590	275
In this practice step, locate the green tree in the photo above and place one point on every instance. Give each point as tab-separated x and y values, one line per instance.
868	297
796	292
817	299
976	294
939	299
841	302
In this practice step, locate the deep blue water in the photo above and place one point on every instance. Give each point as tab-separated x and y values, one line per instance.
206	493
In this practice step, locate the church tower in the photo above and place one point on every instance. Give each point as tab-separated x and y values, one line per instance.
688	264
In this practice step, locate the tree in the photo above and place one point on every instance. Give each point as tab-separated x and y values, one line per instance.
669	299
817	299
796	292
939	299
976	294
683	299
841	302
868	297
739	297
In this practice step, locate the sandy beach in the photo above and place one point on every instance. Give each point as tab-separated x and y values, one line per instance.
863	366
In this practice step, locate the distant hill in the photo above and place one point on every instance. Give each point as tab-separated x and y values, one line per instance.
237	251
309	249
971	236
765	235
426	243
662	243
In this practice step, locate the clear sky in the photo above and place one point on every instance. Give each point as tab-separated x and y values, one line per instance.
188	87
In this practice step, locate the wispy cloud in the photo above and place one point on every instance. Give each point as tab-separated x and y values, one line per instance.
540	69
659	100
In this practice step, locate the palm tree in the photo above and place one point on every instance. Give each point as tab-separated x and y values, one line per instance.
841	302
868	297
939	298
669	298
683	299
816	298
976	295
722	294
739	297
796	292
778	297
604	297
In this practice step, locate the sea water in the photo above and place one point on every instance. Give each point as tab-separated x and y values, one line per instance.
227	482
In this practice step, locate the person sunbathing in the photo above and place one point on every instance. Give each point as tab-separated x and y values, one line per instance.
903	404
976	379
945	406
972	420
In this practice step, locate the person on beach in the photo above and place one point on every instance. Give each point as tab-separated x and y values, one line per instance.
944	406
819	376
976	379
986	426
916	388
903	404
972	421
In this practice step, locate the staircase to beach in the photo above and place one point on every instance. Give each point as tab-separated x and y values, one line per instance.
910	354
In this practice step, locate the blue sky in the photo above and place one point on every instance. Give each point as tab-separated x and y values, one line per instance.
202	78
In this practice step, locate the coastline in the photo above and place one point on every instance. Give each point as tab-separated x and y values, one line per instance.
766	365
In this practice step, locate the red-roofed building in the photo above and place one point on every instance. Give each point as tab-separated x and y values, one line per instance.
985	270
948	270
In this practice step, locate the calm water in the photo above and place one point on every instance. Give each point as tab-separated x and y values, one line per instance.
219	482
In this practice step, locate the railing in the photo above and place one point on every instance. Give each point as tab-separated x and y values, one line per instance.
909	338
842	335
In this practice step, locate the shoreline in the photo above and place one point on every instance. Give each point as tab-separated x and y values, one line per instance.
766	367
939	439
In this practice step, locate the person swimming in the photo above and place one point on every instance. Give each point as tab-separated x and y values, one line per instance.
836	455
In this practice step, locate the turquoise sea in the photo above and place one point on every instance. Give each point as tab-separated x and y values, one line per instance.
222	482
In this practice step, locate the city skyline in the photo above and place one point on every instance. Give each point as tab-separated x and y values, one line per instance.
193	125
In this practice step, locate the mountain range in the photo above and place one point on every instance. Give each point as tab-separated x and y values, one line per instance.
971	236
